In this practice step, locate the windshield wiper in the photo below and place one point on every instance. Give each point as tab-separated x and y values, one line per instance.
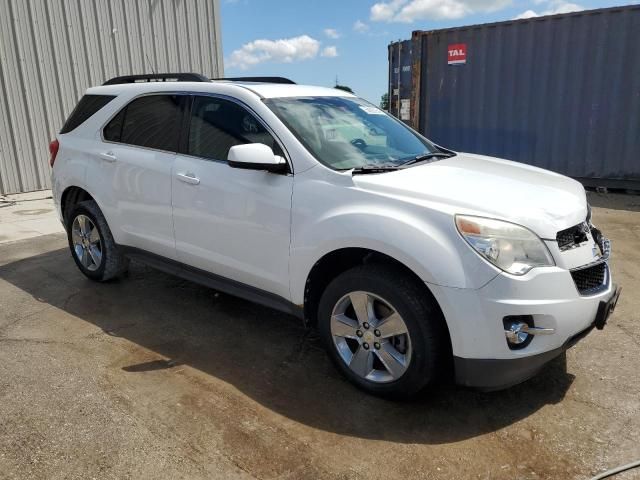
388	167
426	156
374	168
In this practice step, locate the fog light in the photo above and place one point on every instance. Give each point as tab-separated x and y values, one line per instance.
519	330
516	330
515	335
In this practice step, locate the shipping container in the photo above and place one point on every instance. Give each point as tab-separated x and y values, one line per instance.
560	92
52	51
400	82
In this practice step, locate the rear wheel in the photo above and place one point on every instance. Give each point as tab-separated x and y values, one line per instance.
92	246
382	330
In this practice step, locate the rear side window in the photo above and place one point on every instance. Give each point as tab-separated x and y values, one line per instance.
151	121
87	106
216	125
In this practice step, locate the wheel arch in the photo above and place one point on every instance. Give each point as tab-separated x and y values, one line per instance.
333	263
71	196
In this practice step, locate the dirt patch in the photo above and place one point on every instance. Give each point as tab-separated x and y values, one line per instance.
151	376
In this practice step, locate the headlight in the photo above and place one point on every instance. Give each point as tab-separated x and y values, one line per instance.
508	246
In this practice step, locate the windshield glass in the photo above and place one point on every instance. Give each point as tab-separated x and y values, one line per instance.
348	132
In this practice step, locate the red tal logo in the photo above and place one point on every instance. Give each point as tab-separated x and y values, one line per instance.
457	54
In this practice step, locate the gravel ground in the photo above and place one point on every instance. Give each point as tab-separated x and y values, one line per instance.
155	377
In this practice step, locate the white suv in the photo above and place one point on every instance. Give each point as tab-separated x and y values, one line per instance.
414	262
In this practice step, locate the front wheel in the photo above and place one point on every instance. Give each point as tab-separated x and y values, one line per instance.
383	331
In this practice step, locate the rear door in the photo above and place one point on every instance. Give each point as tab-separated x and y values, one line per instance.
231	222
139	148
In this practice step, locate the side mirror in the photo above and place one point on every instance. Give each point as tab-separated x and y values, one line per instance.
255	156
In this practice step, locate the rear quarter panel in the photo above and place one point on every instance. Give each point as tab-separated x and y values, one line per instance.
77	163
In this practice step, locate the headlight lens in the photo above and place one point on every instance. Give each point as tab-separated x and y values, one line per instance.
508	246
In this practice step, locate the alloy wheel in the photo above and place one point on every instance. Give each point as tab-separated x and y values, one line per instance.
87	246
371	337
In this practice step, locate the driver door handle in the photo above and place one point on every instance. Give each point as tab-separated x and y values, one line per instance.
189	178
108	156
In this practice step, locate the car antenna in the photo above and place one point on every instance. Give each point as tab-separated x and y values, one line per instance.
149	62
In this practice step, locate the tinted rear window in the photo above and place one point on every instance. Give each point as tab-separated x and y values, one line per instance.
87	106
152	121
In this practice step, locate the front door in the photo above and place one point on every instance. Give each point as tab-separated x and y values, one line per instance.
228	221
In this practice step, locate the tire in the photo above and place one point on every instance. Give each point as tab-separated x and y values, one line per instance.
422	354
110	262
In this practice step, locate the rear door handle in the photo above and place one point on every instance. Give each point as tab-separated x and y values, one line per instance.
188	178
108	157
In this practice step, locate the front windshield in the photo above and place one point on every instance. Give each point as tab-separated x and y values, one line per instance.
347	132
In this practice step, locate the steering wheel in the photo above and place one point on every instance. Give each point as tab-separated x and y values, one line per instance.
359	143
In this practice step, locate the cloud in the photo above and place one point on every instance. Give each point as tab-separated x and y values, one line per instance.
526	14
560	6
332	33
360	26
286	50
554	7
408	11
329	52
385	11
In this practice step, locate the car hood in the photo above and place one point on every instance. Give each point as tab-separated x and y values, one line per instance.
541	200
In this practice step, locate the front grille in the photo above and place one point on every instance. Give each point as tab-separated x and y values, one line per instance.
572	236
592	279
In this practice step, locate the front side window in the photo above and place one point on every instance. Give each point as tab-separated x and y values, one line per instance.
347	132
152	121
216	125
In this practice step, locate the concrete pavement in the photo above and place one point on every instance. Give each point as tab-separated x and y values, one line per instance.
27	215
152	376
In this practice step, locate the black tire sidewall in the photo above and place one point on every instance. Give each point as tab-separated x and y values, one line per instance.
417	311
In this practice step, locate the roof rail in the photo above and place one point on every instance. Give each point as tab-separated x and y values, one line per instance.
258	79
157	77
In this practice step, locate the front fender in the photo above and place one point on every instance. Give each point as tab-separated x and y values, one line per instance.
424	241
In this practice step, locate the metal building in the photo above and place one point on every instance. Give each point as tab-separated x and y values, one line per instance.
560	92
52	50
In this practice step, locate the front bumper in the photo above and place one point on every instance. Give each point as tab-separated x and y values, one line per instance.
548	295
496	374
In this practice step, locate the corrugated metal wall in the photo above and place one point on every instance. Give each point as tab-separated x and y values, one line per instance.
559	92
52	50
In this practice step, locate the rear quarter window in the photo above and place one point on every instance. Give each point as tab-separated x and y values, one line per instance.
86	108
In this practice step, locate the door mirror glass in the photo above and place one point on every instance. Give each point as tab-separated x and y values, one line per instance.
256	156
